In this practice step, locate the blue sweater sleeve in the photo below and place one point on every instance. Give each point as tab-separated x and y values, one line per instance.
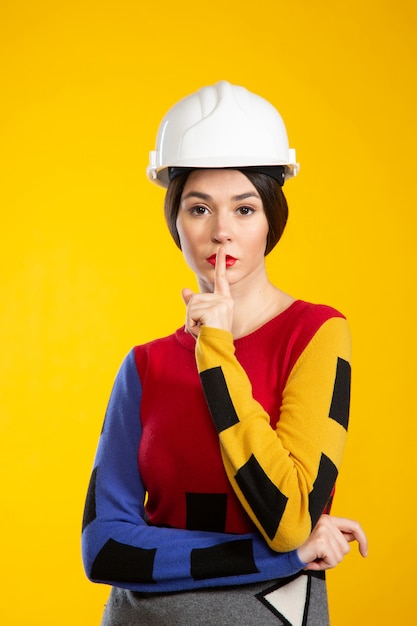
119	547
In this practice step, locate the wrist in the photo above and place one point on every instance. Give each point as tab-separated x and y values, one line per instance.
303	555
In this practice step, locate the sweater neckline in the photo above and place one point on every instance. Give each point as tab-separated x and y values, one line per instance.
188	340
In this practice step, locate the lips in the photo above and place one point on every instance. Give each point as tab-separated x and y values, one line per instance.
230	260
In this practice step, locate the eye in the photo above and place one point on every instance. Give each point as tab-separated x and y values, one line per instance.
198	210
245	210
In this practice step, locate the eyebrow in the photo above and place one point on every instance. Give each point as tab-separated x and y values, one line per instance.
206	196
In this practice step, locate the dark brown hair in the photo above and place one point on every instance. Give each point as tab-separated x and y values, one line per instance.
273	200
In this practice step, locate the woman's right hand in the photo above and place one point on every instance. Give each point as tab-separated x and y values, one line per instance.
213	309
329	542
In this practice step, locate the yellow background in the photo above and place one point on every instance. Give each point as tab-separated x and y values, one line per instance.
87	268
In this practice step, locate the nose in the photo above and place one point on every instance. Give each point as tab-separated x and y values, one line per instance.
222	229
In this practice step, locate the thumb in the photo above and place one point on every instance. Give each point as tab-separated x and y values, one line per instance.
186	295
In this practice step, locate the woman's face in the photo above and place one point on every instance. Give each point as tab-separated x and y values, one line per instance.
222	207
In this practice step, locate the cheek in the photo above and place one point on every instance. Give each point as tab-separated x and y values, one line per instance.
186	244
260	238
190	235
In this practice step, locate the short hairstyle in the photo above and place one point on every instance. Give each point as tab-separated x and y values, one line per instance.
273	200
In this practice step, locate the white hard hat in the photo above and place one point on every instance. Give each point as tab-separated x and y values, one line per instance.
221	126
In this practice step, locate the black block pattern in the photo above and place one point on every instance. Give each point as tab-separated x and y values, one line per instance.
322	488
218	398
264	498
90	501
206	511
339	408
121	562
233	558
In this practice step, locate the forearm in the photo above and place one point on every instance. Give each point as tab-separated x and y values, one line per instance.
282	477
150	559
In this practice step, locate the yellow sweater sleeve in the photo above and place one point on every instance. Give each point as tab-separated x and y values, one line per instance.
282	477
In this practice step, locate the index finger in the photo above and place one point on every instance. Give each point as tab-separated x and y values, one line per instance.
353	531
221	283
360	537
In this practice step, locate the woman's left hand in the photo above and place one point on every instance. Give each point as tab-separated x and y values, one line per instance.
329	542
210	309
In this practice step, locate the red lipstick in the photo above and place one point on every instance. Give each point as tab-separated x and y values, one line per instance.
230	260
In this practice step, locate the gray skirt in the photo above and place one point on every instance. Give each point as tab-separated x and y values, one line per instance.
299	600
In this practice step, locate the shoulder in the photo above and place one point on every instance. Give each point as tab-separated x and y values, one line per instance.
320	325
159	343
309	312
176	346
306	318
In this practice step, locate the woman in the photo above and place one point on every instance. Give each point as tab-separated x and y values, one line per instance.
209	498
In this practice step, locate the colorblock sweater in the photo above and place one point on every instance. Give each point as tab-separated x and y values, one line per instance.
217	457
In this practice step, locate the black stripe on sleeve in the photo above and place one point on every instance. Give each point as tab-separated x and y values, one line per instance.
120	562
218	398
322	488
339	408
233	558
264	498
90	501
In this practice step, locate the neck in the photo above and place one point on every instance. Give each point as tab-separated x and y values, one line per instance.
257	308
